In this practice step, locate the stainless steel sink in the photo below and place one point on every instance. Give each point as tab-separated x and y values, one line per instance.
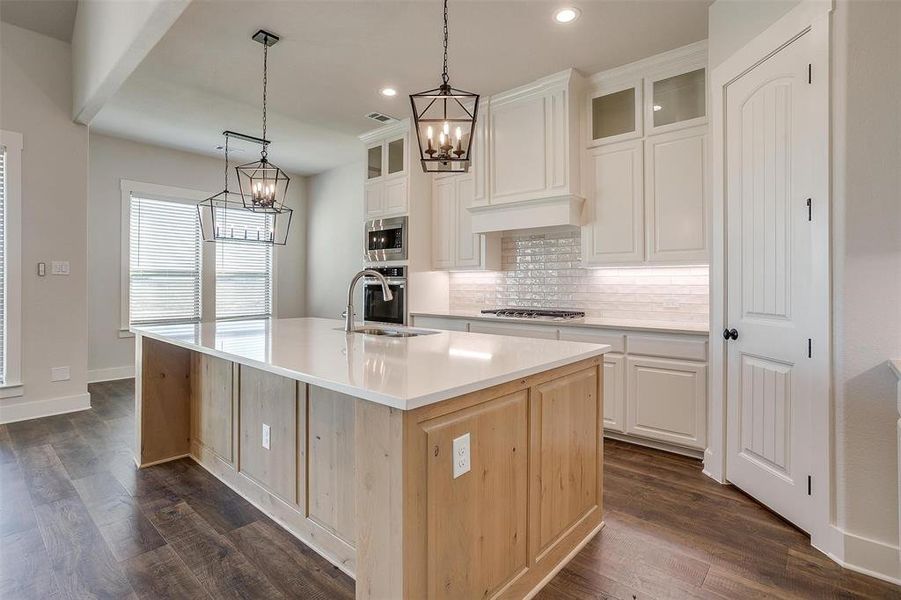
395	333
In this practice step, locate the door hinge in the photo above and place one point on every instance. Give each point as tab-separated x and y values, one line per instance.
809	348
809	72
809	209
809	485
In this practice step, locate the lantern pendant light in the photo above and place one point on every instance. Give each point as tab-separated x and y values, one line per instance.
449	112
263	185
224	218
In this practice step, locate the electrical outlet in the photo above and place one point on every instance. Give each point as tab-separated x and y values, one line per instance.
267	436
59	374
461	455
59	267
42	269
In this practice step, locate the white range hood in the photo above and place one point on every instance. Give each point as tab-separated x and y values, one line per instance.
528	214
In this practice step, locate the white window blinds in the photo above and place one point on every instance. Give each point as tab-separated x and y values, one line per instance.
164	261
2	265
244	270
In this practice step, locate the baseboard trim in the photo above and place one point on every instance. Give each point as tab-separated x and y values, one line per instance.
629	439
111	374
867	556
35	409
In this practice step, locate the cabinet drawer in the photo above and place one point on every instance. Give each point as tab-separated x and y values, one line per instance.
673	346
532	331
439	323
667	400
616	341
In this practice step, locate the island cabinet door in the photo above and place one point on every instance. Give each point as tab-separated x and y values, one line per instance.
478	521
212	406
268	441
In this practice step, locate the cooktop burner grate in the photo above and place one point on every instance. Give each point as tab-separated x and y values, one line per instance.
535	313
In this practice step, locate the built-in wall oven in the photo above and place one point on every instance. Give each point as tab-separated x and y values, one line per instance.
386	239
375	307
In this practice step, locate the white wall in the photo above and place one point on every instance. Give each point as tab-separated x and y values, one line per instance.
109	40
334	238
734	23
866	133
36	83
113	159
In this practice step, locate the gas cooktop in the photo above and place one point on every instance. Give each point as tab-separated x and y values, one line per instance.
547	314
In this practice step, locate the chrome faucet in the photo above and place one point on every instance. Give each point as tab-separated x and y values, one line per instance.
349	313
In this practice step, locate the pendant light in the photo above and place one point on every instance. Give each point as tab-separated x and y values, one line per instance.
224	218
263	185
445	120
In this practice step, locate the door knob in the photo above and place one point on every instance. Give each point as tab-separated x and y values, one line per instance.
730	334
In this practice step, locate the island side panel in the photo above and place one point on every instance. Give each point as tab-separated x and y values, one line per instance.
162	401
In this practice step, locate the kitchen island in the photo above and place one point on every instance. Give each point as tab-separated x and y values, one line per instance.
443	465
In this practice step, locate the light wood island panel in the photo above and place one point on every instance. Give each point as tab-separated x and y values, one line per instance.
371	487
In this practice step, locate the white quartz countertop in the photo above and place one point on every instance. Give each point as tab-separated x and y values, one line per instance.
404	373
623	324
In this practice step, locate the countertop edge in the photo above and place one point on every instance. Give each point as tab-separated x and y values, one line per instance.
621	327
383	399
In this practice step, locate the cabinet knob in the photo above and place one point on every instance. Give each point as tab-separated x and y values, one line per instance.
730	334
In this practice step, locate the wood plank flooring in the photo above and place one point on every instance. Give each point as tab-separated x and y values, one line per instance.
78	520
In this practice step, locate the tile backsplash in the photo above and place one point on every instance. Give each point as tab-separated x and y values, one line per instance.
544	270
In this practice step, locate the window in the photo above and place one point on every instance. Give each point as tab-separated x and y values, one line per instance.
244	271
164	261
10	263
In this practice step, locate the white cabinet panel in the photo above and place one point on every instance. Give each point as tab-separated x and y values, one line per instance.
374	199
615	392
676	196
614	232
616	341
518	150
514	329
671	346
468	245
444	216
396	196
667	400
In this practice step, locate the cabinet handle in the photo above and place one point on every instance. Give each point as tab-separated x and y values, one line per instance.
730	334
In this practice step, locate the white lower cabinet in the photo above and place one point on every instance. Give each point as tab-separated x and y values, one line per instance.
667	400
655	384
615	392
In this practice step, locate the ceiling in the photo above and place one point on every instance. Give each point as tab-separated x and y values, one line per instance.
205	74
49	17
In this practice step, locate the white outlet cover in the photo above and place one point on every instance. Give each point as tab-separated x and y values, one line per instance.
461	455
267	436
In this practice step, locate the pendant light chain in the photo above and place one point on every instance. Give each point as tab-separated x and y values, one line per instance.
265	83
444	76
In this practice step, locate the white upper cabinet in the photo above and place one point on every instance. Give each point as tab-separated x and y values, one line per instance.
614	232
615	113
386	183
454	245
533	141
676	196
647	197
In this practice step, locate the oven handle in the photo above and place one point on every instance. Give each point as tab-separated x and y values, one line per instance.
374	281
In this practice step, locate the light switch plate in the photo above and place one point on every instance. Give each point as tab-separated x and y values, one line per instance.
461	455
59	267
267	433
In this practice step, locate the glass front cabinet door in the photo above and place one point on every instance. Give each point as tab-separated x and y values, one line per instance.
374	162
676	100
615	114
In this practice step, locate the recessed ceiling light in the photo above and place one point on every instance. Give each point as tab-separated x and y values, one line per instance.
657	107
567	15
388	91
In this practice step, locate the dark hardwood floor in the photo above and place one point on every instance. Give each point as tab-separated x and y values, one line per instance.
78	520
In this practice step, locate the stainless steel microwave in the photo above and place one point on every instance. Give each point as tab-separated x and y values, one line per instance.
386	239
